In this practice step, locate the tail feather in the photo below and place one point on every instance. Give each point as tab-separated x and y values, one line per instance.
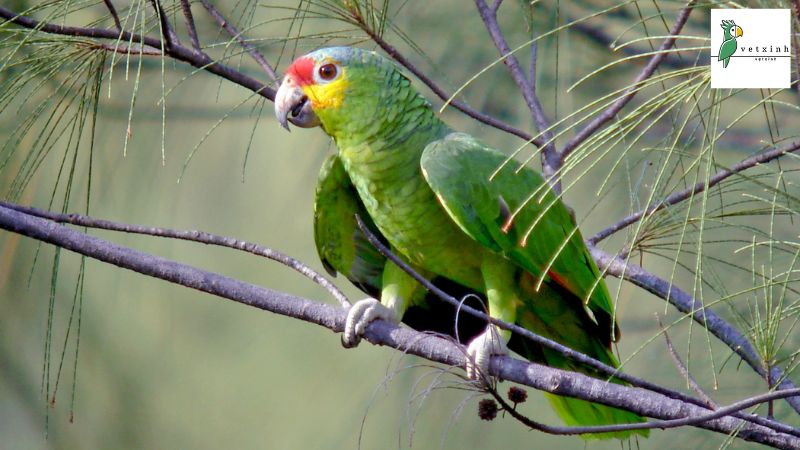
576	412
550	312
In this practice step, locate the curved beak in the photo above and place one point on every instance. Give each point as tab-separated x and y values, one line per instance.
292	105
739	31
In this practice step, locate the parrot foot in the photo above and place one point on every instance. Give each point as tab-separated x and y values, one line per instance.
480	351
359	316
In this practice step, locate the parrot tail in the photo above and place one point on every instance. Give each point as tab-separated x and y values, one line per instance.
576	412
548	313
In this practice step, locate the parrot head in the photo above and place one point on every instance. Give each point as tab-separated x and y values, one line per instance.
339	88
731	30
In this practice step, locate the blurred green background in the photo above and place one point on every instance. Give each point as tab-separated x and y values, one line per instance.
161	366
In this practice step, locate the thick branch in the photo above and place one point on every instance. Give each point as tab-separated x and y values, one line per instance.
620	103
383	333
178	52
689	305
700	186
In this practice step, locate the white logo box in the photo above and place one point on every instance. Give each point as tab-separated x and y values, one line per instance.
763	53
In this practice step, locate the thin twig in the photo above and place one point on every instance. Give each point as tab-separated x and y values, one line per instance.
564	350
550	156
250	48
113	11
683	370
190	25
610	112
440	92
700	186
178	51
384	333
187	235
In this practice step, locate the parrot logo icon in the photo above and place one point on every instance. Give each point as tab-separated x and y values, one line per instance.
728	47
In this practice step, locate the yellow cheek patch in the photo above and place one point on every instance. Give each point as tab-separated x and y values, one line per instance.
328	95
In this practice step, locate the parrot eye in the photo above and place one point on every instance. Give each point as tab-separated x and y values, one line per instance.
328	72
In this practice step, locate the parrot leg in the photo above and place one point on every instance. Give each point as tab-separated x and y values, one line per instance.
499	279
398	289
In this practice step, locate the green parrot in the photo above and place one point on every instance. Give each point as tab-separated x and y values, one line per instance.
728	47
433	195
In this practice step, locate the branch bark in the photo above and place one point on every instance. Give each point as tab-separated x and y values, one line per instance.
430	347
689	305
176	51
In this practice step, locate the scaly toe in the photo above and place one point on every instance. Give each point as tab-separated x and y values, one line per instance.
480	352
359	317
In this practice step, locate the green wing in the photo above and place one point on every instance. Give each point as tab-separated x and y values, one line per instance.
459	170
727	49
341	245
343	248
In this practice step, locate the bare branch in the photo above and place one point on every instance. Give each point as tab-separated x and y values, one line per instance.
620	103
193	236
170	38
114	15
190	25
689	305
254	53
383	333
700	186
550	156
177	51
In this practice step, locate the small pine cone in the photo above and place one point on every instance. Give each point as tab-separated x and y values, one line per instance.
517	395
487	409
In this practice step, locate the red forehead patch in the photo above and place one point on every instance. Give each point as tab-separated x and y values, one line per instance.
302	70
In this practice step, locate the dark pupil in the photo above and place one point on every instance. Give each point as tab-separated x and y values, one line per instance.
327	71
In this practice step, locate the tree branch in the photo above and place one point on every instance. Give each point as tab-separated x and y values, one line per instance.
113	11
689	305
383	333
170	38
550	156
605	369
190	25
192	236
620	103
176	51
700	186
250	48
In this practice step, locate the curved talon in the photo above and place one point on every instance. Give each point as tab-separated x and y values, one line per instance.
480	351
359	316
